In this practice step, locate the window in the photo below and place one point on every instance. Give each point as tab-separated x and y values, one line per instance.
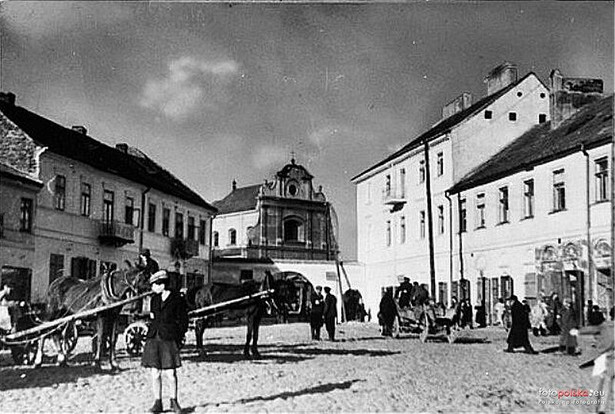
108	206
542	118
402	183
216	240
232	237
422	224
56	266
440	219
246	274
528	198
166	220
1	225
402	229
86	196
151	217
25	218
463	219
191	228
293	230
480	211
440	164
503	205
422	171
83	268
602	179
130	210
559	190
488	114
20	279
60	193
202	228
388	234
512	116
387	185
179	225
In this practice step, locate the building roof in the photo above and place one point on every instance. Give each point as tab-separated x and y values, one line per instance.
591	126
10	172
240	199
446	124
80	147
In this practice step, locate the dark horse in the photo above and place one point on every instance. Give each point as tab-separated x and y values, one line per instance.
253	310
67	295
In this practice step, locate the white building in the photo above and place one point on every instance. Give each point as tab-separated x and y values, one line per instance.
99	205
537	216
394	224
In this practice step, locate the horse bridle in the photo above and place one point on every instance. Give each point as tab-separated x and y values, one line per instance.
107	286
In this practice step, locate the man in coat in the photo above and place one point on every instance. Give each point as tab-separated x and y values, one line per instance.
316	313
404	293
146	264
388	313
518	336
330	313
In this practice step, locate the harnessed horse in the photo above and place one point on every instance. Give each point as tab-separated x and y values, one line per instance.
67	295
253	311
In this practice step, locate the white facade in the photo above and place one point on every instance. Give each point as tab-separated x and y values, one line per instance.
390	253
239	222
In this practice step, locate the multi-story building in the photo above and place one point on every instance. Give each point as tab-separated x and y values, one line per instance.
537	216
99	205
403	212
285	227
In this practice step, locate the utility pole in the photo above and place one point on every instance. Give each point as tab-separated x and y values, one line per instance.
432	270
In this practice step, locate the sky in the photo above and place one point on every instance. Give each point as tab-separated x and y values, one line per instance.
216	91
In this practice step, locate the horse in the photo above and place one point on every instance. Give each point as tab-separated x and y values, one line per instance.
253	311
67	295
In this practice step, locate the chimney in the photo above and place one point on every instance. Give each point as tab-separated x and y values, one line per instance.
7	98
568	95
463	101
122	147
80	129
501	77
234	185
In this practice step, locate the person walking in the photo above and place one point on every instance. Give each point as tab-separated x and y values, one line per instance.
568	323
330	313
404	293
388	312
518	335
499	309
164	337
316	313
538	316
146	263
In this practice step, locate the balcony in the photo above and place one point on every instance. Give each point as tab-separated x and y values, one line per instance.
114	233
184	248
394	199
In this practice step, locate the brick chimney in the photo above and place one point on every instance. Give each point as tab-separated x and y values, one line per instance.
458	104
7	98
501	77
80	129
568	95
122	147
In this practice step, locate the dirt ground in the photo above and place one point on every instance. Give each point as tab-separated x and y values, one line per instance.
361	372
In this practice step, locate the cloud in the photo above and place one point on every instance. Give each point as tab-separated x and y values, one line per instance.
190	85
322	136
267	156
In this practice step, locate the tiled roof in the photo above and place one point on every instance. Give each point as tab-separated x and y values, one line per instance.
80	147
591	126
240	199
447	124
8	171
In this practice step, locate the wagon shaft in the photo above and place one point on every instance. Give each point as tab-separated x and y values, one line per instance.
237	303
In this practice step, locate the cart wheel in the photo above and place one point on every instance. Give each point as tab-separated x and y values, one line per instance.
69	337
425	331
134	337
453	334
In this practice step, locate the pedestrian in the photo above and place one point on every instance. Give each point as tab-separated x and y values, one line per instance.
388	313
538	316
330	313
164	337
146	263
555	307
602	360
316	313
413	292
499	309
404	293
518	335
466	314
595	316
568	322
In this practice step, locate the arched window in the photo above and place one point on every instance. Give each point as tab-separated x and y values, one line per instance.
293	230
216	239
232	237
